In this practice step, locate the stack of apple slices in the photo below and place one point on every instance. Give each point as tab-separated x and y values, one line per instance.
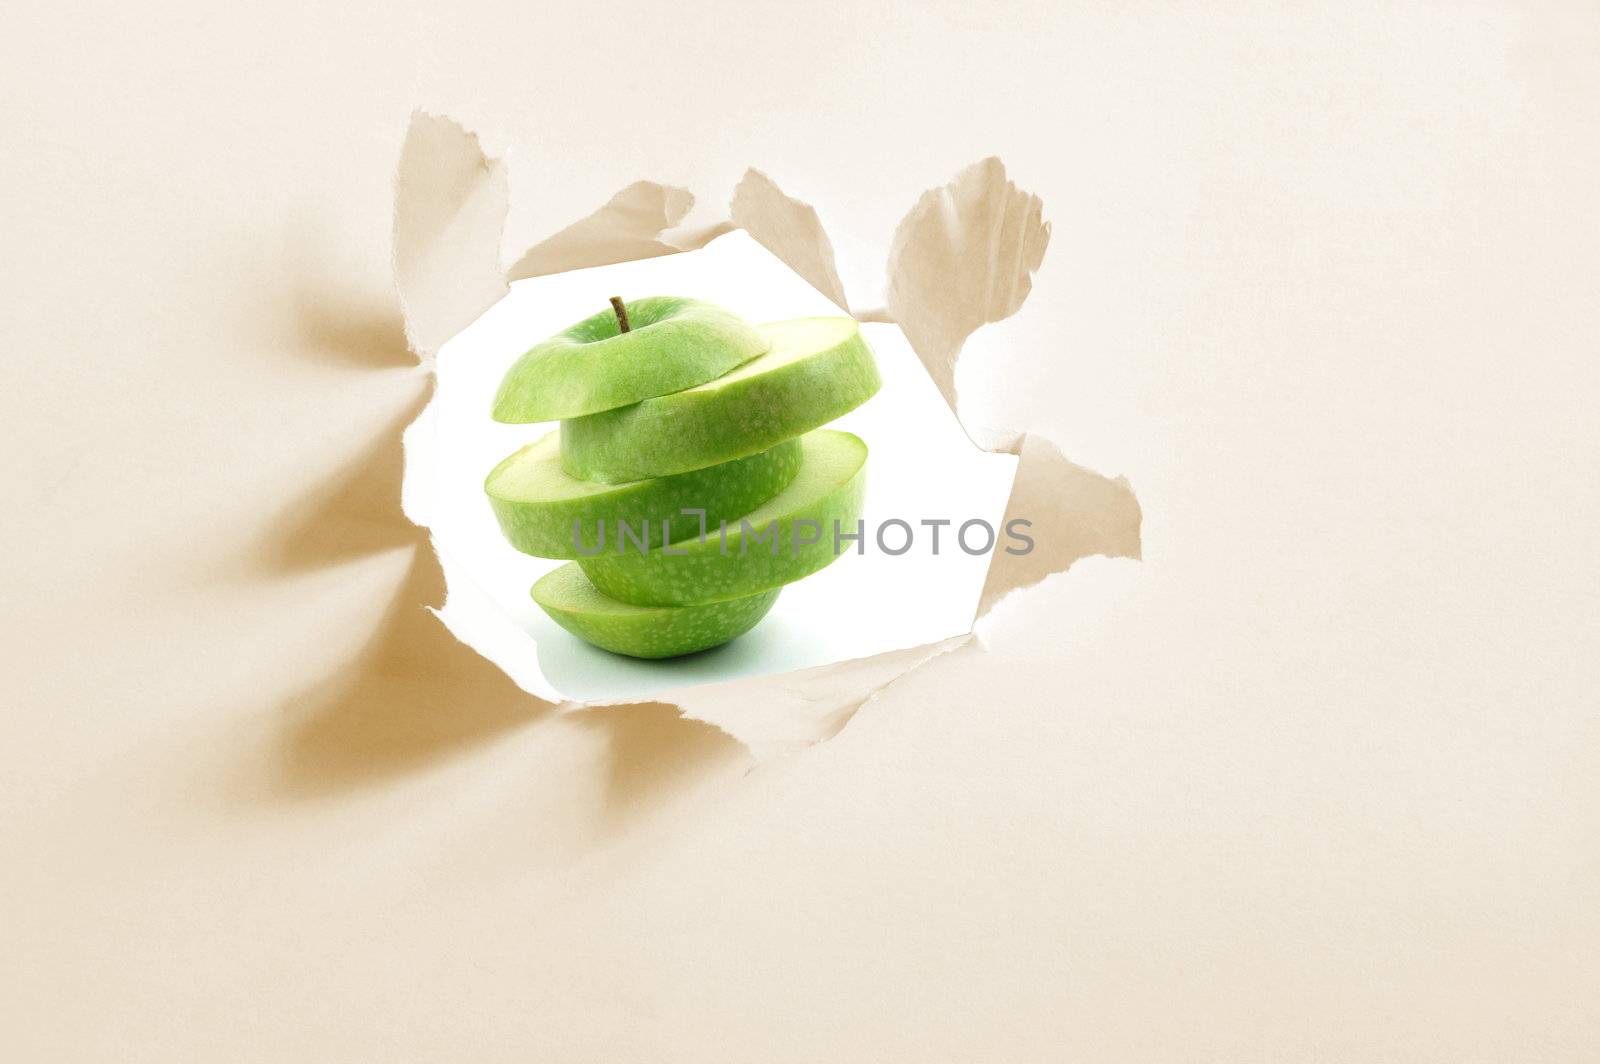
689	478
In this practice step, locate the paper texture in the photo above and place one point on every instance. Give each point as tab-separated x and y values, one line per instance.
962	257
790	230
1076	511
633	224
450	206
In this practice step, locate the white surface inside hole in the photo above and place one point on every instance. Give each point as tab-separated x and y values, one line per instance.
921	466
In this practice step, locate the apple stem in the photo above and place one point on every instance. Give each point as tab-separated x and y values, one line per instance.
622	313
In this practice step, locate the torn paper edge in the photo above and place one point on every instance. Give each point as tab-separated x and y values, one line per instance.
964	256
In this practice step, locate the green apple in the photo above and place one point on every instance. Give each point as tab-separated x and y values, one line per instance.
596	365
644	631
789	536
817	369
546	513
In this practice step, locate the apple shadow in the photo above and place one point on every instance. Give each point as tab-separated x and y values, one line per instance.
592	674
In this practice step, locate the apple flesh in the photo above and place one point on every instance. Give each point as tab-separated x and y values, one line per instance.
788	537
816	370
644	631
673	343
546	513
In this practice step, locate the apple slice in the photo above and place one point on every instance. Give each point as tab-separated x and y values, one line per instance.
644	631
789	536
817	369
654	346
546	513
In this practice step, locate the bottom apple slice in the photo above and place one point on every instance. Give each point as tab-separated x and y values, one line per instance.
644	631
790	536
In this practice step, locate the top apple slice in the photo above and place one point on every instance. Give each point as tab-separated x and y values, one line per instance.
817	369
673	343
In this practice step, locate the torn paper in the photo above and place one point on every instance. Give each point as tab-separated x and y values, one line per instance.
789	229
636	223
963	256
450	206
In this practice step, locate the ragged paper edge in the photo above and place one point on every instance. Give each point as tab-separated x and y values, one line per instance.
450	204
762	714
634	224
964	256
791	230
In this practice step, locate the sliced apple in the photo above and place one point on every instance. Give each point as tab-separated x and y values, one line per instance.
644	631
816	370
546	513
789	536
671	344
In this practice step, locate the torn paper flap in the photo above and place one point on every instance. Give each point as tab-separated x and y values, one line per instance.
789	229
636	223
450	203
1067	512
963	257
776	715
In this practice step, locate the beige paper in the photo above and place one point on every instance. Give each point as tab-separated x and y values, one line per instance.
1074	513
450	207
633	224
789	229
962	257
775	715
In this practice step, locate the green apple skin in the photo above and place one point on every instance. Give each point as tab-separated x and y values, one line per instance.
537	503
674	343
644	631
829	488
816	370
